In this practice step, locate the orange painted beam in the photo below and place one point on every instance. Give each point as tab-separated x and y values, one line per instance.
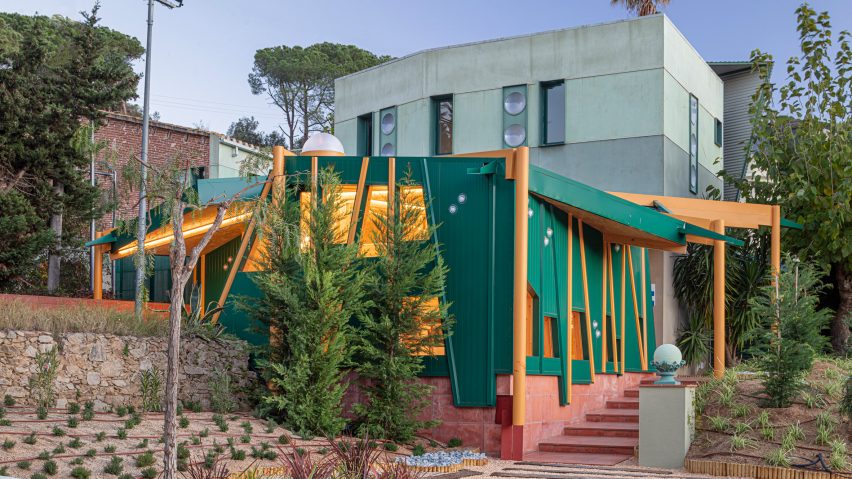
635	305
519	290
570	300
735	215
614	342
359	195
623	301
588	312
644	308
719	302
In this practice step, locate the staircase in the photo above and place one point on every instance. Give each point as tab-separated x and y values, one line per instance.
608	436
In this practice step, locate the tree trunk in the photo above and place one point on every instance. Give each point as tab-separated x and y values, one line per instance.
171	392
839	325
54	259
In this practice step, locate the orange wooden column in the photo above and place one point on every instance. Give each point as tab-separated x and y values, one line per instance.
519	345
718	301
98	270
775	242
570	300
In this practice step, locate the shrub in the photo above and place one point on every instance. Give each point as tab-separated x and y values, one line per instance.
43	455
49	467
238	454
8	444
767	433
195	440
58	431
741	410
31	439
76	461
270	426
115	466
24	465
4	470
5	422
41	412
778	457
221	395
8	400
110	448
418	450
791	333
121	433
283	439
121	411
742	428
245	439
183	422
389	446
73	422
88	415
77	318
247	427
38	475
151	388
846	403
130	476
91	452
142	444
60	449
454	442
145	460
204	432
42	382
837	459
73	408
80	472
100	436
741	442
75	443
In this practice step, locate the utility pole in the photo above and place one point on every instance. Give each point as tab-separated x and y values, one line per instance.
142	227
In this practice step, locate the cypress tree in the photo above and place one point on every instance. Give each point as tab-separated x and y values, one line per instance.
406	321
311	287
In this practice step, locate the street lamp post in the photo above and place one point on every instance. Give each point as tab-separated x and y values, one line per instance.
142	226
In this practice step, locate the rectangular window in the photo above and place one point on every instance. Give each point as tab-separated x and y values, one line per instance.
693	144
553	112
718	131
365	135
375	217
342	218
578	328
442	108
550	333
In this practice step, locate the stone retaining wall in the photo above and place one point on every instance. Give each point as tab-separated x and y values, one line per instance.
106	368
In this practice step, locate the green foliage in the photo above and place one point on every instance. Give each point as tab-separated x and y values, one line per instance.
405	322
741	410
73	422
283	439
38	475
838	460
247	427
8	444
778	457
121	433
25	465
802	157
310	291
58	71
238	454
73	408
121	411
763	419
58	431
245	439
418	450
148	473
204	432
50	468
300	81
41	412
741	442
221	394
719	423
110	448
75	443
43	455
115	466
183	422
76	461
60	449
144	460
42	385
31	439
846	403
91	452
80	472
151	388
745	271
142	444
24	236
789	337
742	428
454	442
767	433
389	446
100	436
8	400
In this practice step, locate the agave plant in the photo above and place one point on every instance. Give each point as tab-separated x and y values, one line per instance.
200	323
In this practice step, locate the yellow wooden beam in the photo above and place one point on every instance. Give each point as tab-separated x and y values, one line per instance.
98	270
623	302
604	352
391	185
359	194
735	215
644	309
588	312
635	305
612	316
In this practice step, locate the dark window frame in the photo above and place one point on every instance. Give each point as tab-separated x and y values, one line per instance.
365	144
718	133
544	87
436	117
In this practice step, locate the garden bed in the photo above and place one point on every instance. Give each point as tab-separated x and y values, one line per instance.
732	425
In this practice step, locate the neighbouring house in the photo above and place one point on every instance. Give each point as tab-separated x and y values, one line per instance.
211	154
549	284
627	106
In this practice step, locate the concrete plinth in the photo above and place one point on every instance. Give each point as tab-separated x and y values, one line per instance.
666	424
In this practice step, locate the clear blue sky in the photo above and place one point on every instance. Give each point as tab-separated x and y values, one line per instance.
204	51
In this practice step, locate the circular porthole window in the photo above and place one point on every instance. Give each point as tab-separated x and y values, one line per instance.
515	103
388	149
515	135
388	123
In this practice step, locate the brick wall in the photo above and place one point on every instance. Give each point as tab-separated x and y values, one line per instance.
122	135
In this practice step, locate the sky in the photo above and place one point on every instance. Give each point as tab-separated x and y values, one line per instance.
203	52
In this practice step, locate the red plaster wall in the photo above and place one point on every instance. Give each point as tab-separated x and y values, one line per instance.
545	418
122	136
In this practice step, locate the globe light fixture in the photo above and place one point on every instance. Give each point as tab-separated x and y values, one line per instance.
322	144
515	103
388	149
388	123
667	360
515	135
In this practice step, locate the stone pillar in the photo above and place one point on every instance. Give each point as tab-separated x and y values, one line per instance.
666	424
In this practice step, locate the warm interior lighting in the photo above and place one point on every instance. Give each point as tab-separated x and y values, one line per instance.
346	194
430	306
187	233
377	206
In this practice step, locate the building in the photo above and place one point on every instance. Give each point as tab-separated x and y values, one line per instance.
548	281
628	106
211	154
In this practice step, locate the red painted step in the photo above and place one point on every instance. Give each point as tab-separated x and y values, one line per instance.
603	429
590	445
631	393
623	403
576	458
614	415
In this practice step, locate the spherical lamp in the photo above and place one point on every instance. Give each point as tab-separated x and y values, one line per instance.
322	144
667	360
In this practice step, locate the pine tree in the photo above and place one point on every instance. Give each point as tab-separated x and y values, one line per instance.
312	286
791	332
406	322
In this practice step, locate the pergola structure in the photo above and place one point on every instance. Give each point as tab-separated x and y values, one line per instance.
717	215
